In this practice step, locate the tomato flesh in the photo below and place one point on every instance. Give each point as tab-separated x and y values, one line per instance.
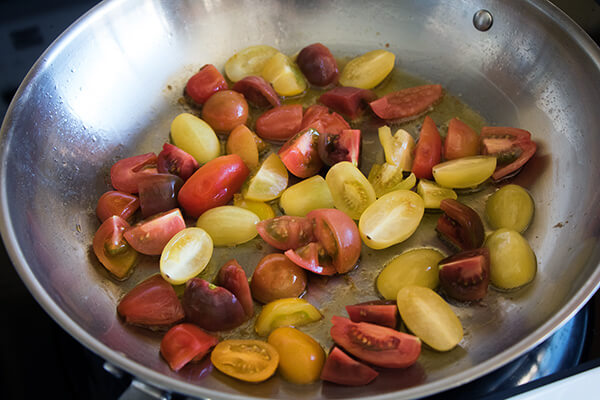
109	245
173	160
205	83
286	232
342	369
184	343
377	345
300	154
152	304
465	276
407	103
460	225
378	312
116	203
512	147
319	117
313	258
257	91
318	65
461	140
125	173
428	151
349	101
233	278
345	146
158	193
247	360
152	234
280	123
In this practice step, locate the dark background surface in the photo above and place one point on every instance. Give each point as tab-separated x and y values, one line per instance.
37	358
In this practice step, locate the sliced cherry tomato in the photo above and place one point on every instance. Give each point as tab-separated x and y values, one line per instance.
368	70
300	154
214	184
286	232
407	103
125	174
117	203
184	343
398	149
338	235
276	277
173	160
247	360
280	123
512	147
351	191
461	140
225	110
211	307
465	276
388	177
233	278
313	258
241	141
345	146
249	61
322	120
378	312
460	225
377	345
318	65
257	91
349	101
428	151
152	234
185	255
305	196
300	356
205	83
285	312
158	193
342	369
152	303
285	76
195	137
465	172
115	254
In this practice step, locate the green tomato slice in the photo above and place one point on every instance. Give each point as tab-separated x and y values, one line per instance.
433	194
285	312
249	61
511	207
305	196
229	225
512	261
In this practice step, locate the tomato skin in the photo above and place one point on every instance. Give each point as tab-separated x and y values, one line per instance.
319	118
460	225
300	154
318	65
407	103
233	278
125	173
280	123
247	360
184	343
211	307
342	369
379	312
512	147
313	258
276	277
339	236
213	185
153	304
428	151
461	140
158	193
344	146
225	110
377	345
465	276
173	160
349	101
286	232
113	252
300	356
257	91
205	83
152	234
117	203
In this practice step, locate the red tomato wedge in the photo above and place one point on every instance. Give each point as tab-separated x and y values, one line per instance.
460	225
109	245
313	258
342	369
428	151
225	110
125	174
300	154
407	103
379	312
152	303
117	203
323	121
349	101
257	91
461	140
213	185
286	232
173	160
345	146
280	123
184	343
512	147
233	278
465	276
377	345
151	235
205	83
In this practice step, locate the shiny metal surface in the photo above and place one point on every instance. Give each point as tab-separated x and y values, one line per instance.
108	88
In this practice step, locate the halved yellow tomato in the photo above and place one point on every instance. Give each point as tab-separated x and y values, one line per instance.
351	191
433	194
194	136
241	141
229	225
398	149
185	255
305	196
368	70
268	182
466	172
247	360
301	357
285	312
262	209
391	219
285	76
248	62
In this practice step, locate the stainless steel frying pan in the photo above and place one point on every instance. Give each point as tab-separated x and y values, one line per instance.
108	88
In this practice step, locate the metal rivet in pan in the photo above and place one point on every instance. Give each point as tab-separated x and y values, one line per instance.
483	20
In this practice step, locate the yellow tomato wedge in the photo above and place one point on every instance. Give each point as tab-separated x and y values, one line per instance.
185	255
398	149
433	194
305	196
463	173
368	70
269	182
229	225
391	219
285	312
351	191
241	141
387	177
285	76
261	209
301	357
249	61
195	137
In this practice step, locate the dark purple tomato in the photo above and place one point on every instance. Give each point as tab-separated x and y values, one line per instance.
349	101
379	312
233	278
460	225
211	307
465	276
173	160
257	91
276	277
318	65
158	193
345	146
